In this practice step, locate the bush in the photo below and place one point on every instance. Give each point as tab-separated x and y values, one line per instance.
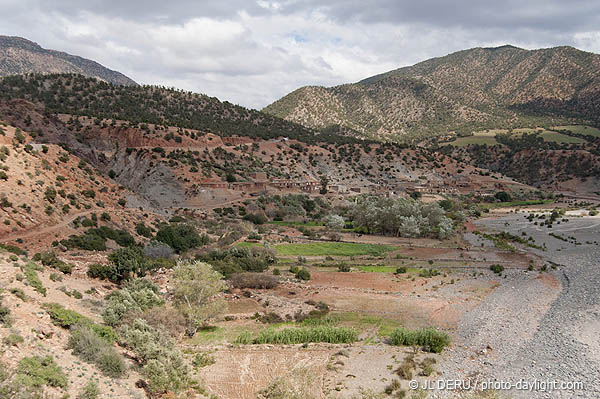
125	263
253	280
38	371
51	260
12	339
401	270
181	237
276	272
19	294
89	391
86	344
33	280
5	319
162	363
429	339
498	269
13	249
236	260
97	270
67	318
143	230
344	268
303	274
137	296
256	218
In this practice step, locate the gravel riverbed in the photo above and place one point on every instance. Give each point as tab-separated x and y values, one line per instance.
537	326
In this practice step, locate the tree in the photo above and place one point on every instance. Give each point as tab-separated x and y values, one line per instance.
334	222
502	196
195	285
125	262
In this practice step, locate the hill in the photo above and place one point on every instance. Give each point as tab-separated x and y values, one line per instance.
20	56
464	91
79	95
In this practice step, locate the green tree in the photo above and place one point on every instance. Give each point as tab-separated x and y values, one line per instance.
195	285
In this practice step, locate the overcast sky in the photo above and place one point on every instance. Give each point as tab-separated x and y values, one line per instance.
253	52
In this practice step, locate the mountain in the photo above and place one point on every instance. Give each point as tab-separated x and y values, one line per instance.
20	56
472	89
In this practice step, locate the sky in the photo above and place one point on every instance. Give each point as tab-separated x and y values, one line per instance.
252	52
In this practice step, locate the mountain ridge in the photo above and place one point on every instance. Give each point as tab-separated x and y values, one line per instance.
21	56
475	88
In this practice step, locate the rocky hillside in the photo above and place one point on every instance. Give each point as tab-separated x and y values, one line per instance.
477	88
20	56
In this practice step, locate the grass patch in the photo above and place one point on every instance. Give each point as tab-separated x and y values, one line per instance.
509	204
430	339
13	249
560	138
67	318
33	279
332	249
302	335
580	129
38	371
311	223
475	139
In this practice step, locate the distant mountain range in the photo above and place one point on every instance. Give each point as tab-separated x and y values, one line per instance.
464	91
20	56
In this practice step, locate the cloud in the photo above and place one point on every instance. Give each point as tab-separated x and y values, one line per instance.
253	52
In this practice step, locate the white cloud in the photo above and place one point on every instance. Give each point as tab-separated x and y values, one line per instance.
252	53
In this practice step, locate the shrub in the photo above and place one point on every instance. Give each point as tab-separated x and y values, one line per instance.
13	249
67	318
256	218
162	363
236	260
38	371
5	318
89	391
143	230
105	217
33	280
303	274
125	263
429	339
51	260
276	272
401	270
498	269
19	294
344	268
12	339
97	270
302	335
253	280
428	273
86	344
181	237
203	360
137	296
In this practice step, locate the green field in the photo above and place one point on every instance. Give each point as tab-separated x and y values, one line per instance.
332	249
516	203
285	223
580	129
481	139
560	138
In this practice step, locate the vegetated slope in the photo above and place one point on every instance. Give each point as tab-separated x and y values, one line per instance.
477	88
21	56
78	95
42	185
